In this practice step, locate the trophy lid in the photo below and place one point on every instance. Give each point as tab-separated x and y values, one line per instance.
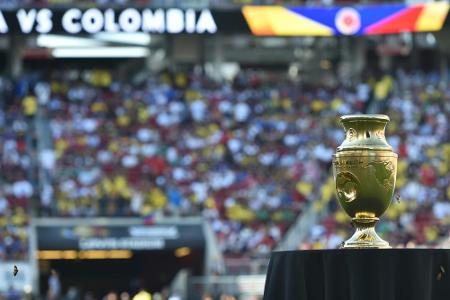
365	117
364	132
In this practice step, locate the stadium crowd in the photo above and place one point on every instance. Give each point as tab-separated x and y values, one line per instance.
178	145
247	155
16	189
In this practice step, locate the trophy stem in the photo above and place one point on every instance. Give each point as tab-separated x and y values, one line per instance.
365	235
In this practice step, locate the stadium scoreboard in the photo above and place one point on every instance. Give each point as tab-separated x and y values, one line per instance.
256	20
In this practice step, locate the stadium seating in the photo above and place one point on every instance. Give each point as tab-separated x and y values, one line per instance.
247	155
16	188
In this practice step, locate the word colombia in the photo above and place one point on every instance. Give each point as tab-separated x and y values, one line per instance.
94	20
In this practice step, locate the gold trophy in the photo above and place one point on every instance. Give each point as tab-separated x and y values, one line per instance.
364	170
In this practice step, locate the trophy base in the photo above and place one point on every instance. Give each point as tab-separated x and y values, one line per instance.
365	235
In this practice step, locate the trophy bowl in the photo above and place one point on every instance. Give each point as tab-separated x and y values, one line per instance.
364	170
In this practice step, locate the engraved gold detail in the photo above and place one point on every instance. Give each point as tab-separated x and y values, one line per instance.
365	237
383	172
351	134
347	186
379	134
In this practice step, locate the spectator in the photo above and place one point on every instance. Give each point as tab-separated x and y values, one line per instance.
54	286
142	295
13	294
111	296
124	296
30	105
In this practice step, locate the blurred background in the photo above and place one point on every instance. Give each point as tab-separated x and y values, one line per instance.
157	149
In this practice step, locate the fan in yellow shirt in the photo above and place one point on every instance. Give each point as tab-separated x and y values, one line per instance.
143	295
29	105
157	198
383	87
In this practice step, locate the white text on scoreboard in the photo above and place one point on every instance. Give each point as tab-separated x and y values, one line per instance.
94	20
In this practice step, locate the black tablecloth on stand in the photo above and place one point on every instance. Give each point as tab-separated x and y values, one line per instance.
384	274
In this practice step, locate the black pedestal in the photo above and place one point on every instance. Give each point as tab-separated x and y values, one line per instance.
382	274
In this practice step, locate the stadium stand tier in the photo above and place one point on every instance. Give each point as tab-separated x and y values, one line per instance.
247	155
